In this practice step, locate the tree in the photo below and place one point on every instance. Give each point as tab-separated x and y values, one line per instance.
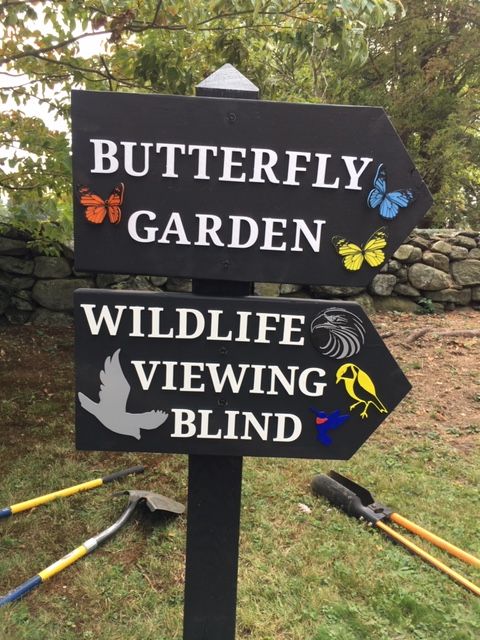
424	69
289	48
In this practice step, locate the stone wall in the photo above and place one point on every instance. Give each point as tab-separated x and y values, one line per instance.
434	270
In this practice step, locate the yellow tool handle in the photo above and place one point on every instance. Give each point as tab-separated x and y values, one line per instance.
63	493
436	540
428	558
63	563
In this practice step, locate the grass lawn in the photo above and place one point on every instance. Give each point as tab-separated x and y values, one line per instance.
315	575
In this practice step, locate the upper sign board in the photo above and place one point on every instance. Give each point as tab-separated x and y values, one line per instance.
236	189
229	376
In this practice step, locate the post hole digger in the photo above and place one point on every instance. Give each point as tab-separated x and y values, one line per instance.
357	501
155	502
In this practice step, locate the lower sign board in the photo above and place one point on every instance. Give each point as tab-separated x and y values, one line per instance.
229	376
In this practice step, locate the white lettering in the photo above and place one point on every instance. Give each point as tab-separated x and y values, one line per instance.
143	379
184	426
202	159
270	233
105	316
229	163
133	229
170	160
281	427
318	387
302	228
128	158
236	232
352	172
259	165
204	230
293	167
174	227
104	150
183	324
321	172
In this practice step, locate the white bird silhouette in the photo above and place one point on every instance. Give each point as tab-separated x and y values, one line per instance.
111	410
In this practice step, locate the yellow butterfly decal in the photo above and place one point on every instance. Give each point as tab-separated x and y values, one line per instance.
372	251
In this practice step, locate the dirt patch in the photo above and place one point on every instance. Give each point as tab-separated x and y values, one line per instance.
443	368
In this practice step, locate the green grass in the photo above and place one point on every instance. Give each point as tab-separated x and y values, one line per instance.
302	576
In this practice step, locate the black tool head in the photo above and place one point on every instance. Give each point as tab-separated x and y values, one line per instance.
154	501
350	497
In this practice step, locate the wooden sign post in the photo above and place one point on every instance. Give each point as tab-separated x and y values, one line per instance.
215	482
225	188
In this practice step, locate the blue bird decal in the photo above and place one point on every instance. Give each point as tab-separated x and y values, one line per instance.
326	422
389	203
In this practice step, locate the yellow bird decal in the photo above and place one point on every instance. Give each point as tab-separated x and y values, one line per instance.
360	388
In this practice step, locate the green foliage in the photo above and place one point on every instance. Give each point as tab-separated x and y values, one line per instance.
423	68
418	60
426	306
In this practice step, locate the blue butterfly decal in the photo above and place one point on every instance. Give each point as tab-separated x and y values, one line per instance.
390	203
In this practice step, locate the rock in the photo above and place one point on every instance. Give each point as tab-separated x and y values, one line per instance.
366	302
382	284
393	266
464	241
404	305
286	289
461	297
417	241
67	252
442	247
468	233
426	278
402	274
437	261
158	281
81	274
466	272
57	295
18	266
475	294
268	289
23	300
327	291
105	280
182	285
12	247
51	267
302	294
458	253
22	282
405	289
134	283
408	253
17	316
52	318
4	301
474	254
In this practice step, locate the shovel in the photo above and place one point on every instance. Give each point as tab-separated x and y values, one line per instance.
154	502
358	502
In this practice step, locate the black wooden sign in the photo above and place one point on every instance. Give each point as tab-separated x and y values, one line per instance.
233	189
224	376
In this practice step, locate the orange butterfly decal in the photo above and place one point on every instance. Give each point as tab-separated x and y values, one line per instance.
96	208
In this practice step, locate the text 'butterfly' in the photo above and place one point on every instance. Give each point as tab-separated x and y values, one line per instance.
353	256
389	203
96	208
